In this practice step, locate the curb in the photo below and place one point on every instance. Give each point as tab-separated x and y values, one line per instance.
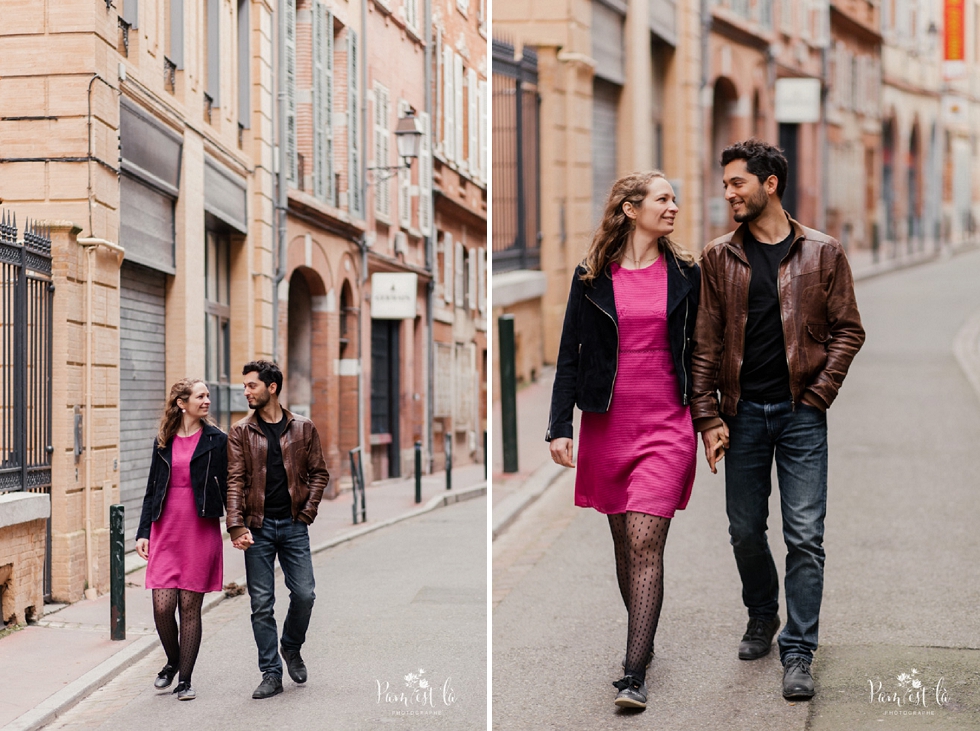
893	265
71	694
513	505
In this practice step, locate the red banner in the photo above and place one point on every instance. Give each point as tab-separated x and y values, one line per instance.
954	22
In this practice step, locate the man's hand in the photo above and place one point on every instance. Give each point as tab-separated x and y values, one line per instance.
561	451
243	541
143	548
715	443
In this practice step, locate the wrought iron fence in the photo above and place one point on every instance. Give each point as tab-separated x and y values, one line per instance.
26	296
516	159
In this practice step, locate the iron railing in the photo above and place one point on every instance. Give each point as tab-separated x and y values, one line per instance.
26	297
516	159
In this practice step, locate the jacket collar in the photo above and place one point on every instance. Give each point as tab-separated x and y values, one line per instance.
253	421
206	443
737	241
678	286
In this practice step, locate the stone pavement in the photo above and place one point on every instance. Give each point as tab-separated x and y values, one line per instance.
49	666
513	493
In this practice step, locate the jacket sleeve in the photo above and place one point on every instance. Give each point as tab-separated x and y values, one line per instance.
319	477
235	493
146	514
846	333
566	369
709	339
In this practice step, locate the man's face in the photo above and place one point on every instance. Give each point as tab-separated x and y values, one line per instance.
744	192
257	393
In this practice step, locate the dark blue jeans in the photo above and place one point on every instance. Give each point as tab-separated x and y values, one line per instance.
798	440
290	540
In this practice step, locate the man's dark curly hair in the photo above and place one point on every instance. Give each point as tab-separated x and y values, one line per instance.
268	371
761	159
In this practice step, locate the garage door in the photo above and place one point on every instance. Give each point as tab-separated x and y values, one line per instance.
605	102
143	386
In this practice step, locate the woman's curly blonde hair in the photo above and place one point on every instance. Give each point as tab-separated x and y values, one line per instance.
609	242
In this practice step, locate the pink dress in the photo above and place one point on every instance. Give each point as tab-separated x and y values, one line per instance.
185	549
639	456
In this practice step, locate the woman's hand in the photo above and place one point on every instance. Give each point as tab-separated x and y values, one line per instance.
143	548
561	451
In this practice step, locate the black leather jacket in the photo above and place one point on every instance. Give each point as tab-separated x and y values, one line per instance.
588	355
209	475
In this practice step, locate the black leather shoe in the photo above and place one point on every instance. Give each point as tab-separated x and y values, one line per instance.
165	677
271	685
632	692
294	664
797	681
184	691
757	640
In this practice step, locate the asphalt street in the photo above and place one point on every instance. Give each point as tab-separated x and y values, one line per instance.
409	600
899	631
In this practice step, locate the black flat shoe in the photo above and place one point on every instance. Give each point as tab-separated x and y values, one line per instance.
185	692
797	680
165	677
271	685
632	692
757	640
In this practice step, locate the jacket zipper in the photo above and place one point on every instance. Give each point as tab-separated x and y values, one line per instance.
166	486
615	372
687	307
207	471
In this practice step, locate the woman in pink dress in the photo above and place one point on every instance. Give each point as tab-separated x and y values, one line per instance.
625	361
180	530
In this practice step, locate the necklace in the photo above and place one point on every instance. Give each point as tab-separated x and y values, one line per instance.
639	263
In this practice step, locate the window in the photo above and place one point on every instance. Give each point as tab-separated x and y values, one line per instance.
472	124
292	173
448	105
412	13
354	197
425	177
463	6
382	136
217	309
214	51
404	181
323	168
449	271
175	33
244	59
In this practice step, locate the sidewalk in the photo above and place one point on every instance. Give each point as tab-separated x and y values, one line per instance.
49	666
512	493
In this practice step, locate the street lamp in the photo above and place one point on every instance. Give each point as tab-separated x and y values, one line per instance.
408	137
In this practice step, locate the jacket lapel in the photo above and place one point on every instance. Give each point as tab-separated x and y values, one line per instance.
678	285
602	296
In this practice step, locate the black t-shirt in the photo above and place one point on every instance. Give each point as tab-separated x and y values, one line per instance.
277	501
765	373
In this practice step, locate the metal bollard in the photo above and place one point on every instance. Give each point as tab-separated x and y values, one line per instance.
508	391
117	571
449	461
485	455
418	472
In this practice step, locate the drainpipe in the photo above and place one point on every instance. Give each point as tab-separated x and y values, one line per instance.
90	245
703	105
279	247
429	249
364	240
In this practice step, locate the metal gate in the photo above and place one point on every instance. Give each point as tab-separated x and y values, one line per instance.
26	295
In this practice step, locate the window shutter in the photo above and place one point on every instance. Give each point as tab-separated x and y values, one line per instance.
290	6
319	123
482	147
355	202
448	106
326	112
404	180
425	176
472	124
460	275
471	275
481	280
458	82
382	198
448	268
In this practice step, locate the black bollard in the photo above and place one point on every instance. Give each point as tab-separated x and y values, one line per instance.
449	461
485	456
117	572
418	472
508	392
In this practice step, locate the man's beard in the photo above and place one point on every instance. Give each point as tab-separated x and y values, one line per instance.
258	402
754	206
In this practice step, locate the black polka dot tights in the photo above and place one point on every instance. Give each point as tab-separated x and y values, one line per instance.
182	652
638	540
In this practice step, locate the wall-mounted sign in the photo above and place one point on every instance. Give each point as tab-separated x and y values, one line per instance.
797	100
393	296
954	41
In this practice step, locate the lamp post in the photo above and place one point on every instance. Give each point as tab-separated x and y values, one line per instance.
408	137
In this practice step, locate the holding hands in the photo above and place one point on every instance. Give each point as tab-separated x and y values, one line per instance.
243	541
715	443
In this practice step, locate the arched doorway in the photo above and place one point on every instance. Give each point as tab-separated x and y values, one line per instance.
299	349
347	427
888	176
914	188
724	99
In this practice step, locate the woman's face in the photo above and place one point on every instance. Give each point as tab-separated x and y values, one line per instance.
655	215
198	403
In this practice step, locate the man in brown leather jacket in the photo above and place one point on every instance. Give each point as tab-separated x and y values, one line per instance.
276	477
777	328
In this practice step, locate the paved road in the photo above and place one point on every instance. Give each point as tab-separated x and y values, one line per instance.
901	581
406	599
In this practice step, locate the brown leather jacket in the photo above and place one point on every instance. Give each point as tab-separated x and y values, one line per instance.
821	325
302	458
